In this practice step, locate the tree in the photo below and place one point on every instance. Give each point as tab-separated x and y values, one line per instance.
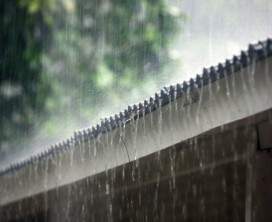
88	50
104	48
23	89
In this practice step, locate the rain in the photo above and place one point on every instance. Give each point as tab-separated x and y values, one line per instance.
135	110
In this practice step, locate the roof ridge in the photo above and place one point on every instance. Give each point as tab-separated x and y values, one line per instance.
254	53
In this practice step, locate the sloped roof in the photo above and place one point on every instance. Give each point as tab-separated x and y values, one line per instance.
254	53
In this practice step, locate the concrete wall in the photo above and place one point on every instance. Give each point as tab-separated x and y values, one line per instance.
221	175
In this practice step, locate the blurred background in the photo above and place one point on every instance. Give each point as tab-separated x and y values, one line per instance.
65	64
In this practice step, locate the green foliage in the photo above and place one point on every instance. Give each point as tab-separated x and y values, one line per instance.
22	87
135	33
104	48
88	50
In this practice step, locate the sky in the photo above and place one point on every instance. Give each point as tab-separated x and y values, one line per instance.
215	30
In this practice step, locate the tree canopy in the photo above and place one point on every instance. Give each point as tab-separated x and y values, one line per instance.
59	55
23	89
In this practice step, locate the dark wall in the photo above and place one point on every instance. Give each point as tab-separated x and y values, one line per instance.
216	176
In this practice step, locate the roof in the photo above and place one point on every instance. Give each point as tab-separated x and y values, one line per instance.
254	53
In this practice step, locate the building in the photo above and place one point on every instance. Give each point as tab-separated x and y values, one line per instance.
197	151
